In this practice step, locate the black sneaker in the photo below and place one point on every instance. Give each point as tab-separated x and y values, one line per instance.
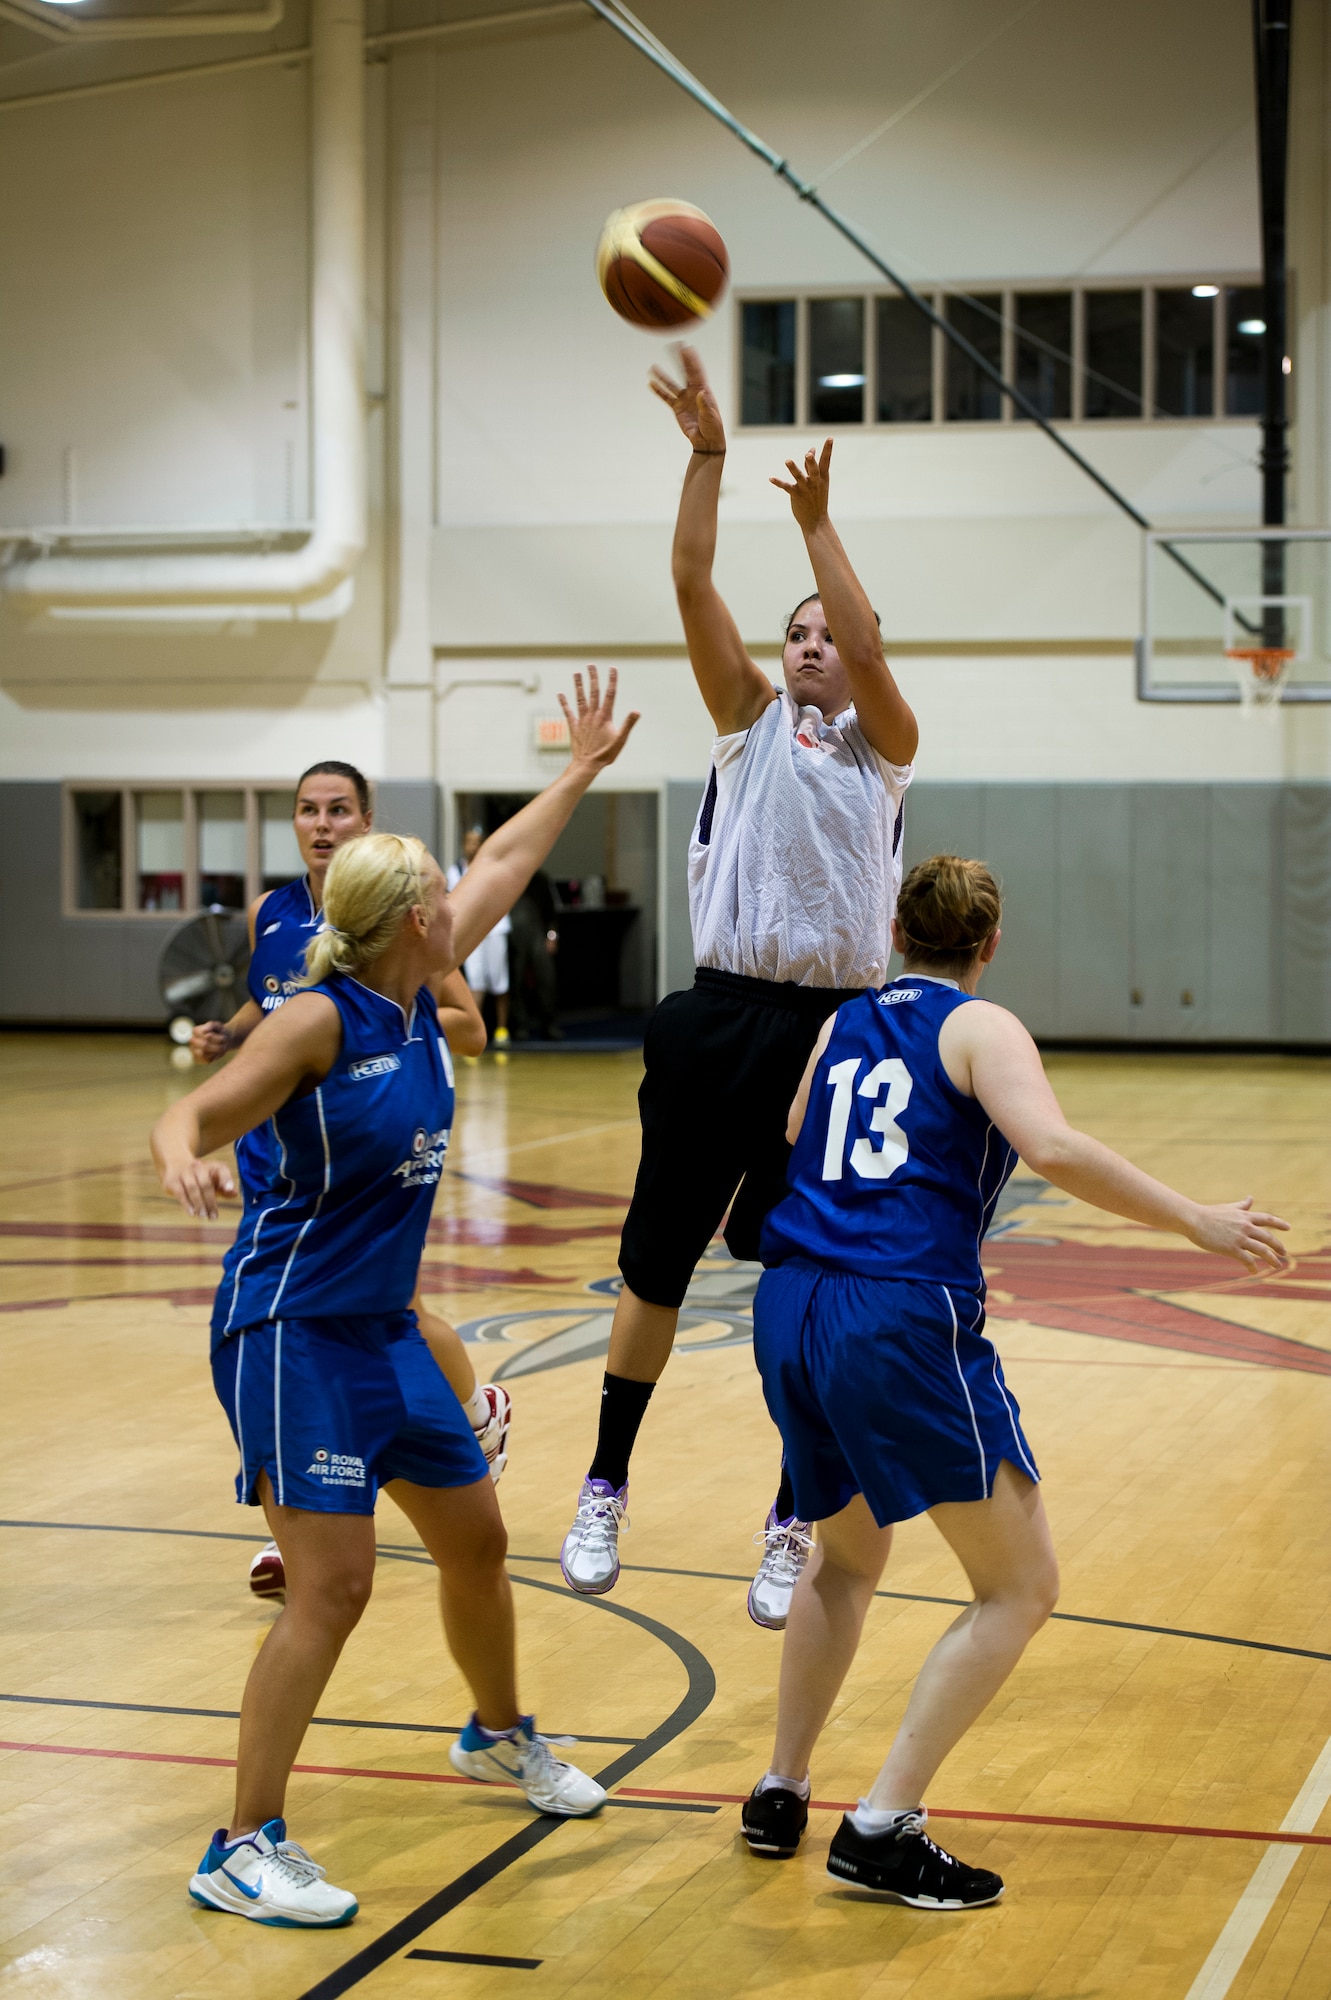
905	1865
772	1821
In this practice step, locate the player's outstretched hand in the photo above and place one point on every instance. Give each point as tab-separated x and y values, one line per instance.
695	406
592	733
198	1184
209	1042
808	487
1236	1229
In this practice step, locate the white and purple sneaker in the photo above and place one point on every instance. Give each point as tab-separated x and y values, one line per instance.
590	1555
785	1546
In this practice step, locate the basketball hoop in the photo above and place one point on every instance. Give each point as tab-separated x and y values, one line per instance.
1262	685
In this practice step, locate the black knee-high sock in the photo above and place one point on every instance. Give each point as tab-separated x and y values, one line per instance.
784	1505
623	1407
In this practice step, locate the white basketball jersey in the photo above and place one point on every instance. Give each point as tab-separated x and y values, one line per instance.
795	861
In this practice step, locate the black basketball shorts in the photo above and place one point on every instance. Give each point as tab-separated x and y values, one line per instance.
723	1062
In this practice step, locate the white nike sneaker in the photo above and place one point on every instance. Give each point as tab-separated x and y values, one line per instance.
268	1577
523	1758
785	1547
493	1437
270	1880
590	1555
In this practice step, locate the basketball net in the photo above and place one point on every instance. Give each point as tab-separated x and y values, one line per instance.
1262	672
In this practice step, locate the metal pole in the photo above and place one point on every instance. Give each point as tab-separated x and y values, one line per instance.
1271	31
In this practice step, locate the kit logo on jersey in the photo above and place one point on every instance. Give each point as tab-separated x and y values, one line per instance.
897	994
337	1468
424	1166
369	1066
268	931
276	992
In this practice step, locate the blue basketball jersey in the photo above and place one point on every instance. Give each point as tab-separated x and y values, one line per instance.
287	921
339	1231
895	1173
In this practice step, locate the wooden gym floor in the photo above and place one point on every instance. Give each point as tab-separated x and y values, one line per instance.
1142	1782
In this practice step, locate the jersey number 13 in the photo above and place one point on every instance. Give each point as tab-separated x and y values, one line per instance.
889	1080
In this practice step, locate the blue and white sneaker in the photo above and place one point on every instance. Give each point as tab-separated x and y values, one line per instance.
270	1880
521	1757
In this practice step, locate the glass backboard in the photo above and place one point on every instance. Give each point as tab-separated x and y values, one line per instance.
1224	611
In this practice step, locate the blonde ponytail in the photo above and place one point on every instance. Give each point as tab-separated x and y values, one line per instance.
948	908
371	884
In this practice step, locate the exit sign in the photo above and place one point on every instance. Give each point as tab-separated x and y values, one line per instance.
550	732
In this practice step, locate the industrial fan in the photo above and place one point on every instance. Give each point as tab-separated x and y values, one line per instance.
201	973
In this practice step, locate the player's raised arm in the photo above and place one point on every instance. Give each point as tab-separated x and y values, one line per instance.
510	857
987	1050
733	685
884	714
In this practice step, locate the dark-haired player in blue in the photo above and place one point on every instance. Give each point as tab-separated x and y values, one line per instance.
332	805
890	1400
317	1359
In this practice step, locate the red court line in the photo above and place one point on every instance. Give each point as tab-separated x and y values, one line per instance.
697	1798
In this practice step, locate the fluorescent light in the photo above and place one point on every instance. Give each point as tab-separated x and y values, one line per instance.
840	381
1252	326
1206	291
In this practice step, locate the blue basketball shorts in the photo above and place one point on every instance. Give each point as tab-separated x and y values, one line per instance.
886	1388
332	1409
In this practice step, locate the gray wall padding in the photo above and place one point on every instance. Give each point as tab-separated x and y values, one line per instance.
409	806
1222	892
57	968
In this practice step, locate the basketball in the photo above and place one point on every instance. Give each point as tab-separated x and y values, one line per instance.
661	263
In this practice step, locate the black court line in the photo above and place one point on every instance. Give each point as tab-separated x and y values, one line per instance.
233	1715
727	1576
478	1958
697	1698
961	1603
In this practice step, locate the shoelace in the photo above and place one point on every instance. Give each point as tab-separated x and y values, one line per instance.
598	1515
290	1860
538	1761
785	1550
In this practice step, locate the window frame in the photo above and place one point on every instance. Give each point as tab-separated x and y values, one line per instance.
191	790
937	296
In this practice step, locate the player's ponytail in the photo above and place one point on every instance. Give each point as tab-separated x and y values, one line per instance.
948	910
370	886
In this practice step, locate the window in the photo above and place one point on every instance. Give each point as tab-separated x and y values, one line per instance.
164	850
1044	349
1185	351
1245	350
836	361
973	396
1114	354
279	856
768	392
223	849
159	823
98	841
1182	351
905	364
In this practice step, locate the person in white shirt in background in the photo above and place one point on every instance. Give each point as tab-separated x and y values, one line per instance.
487	968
